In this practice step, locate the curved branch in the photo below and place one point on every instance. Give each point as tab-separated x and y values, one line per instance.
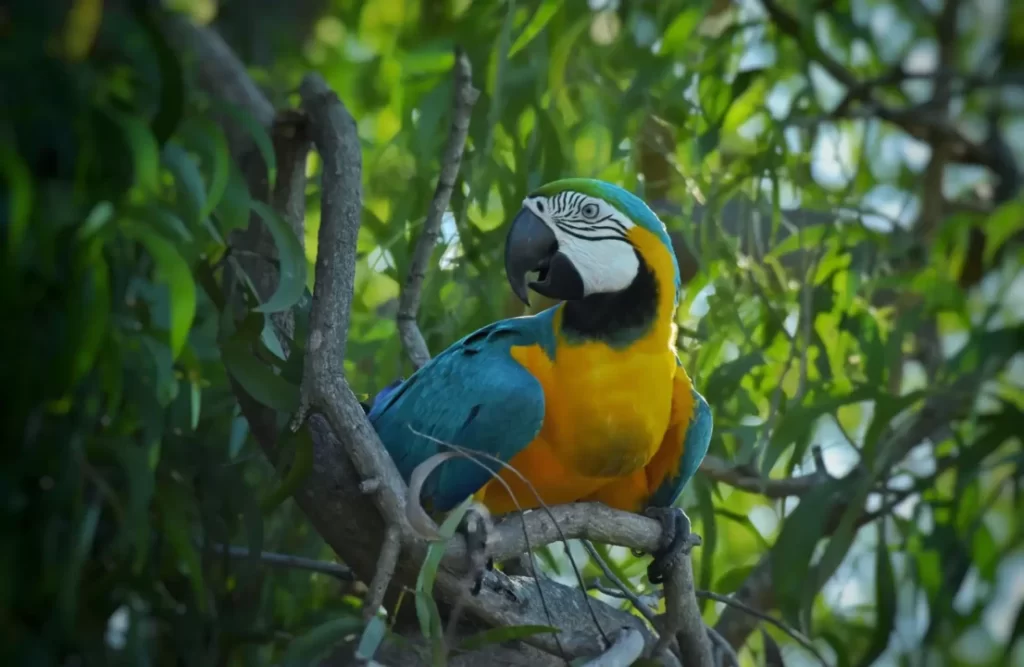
465	97
323	379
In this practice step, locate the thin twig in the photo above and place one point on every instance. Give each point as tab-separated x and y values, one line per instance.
626	592
767	618
649	601
722	647
389	551
465	96
287	561
914	121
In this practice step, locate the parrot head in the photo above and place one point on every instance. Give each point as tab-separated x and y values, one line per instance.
578	235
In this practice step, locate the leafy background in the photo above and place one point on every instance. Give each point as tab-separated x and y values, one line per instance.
843	264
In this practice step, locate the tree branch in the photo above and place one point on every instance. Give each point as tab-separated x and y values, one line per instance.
287	561
323	383
465	96
916	122
757	592
745	479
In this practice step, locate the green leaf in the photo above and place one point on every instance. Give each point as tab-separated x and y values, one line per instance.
99	216
19	194
144	148
561	54
311	647
709	531
134	461
258	379
841	541
1002	225
174	503
93	310
1018	633
887	407
171	77
236	439
207	139
174	271
885	601
678	33
724	380
371	639
189	182
302	463
540	18
799	420
791	555
506	634
731	581
86	533
772	652
291	261
259	136
232	210
809	237
426	609
195	404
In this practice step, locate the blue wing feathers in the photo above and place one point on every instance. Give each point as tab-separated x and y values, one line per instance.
695	447
473	395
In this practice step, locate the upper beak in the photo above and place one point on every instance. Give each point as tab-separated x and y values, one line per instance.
532	246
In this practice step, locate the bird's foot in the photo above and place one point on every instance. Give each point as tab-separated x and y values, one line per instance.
477	526
677	539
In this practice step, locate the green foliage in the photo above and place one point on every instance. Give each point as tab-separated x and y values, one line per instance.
814	317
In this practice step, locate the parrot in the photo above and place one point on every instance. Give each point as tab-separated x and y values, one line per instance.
587	399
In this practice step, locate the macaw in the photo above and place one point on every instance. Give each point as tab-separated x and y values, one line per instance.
587	400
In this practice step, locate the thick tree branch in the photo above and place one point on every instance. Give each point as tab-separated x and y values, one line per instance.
464	97
323	384
684	616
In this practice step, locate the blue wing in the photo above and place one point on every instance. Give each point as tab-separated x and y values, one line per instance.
696	440
473	395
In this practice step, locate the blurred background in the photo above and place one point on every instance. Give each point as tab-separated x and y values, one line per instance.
839	177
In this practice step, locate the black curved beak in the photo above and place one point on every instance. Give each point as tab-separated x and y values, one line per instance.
532	246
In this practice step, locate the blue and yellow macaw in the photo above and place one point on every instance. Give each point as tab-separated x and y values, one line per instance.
587	399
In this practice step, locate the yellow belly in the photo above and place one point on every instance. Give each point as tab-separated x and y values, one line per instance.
606	414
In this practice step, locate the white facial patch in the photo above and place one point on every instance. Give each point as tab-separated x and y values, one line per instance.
592	234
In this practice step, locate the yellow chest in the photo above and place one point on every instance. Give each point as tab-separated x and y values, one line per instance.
606	411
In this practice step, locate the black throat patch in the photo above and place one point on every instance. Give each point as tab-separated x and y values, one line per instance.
618	318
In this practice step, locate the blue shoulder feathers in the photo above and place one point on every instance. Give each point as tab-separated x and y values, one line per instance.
473	395
695	446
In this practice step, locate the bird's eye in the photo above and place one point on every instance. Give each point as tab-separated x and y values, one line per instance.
590	211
